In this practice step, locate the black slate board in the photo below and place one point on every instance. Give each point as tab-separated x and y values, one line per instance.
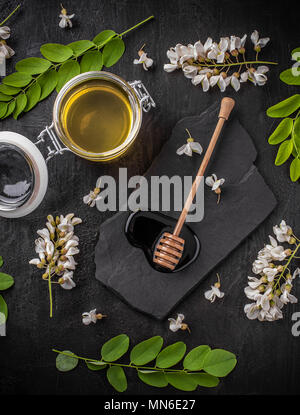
246	202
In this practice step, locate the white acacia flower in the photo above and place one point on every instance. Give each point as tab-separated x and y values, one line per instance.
173	54
170	67
256	76
203	78
89	317
286	297
200	50
93	195
189	71
234	81
254	282
6	50
237	43
44	234
257	42
65	19
283	232
178	324
218	50
215	184
40	245
252	293
270	273
278	253
143	59
214	292
252	311
258	265
68	222
186	53
221	80
4	32
296	273
66	281
92	317
190	147
69	263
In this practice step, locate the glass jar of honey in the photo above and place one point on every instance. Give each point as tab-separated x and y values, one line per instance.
96	115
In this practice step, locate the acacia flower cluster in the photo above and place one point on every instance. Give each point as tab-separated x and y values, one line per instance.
56	246
271	290
209	64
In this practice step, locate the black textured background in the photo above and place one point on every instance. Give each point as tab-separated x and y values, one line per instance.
268	354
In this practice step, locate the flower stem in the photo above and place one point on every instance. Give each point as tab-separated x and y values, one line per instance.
10	15
286	265
50	292
137	25
238	63
157	369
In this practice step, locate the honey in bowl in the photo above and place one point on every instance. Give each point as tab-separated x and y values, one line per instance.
96	116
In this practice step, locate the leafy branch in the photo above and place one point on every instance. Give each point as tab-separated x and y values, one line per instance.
287	133
202	366
36	78
6	281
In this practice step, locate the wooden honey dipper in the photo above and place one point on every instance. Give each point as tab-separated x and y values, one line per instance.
170	246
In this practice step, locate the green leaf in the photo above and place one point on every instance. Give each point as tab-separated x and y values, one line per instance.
10	109
195	358
80	46
288	77
114	348
182	381
295	169
66	363
6	281
3	308
1	261
146	351
56	52
282	131
33	96
9	90
297	132
17	79
112	52
157	379
21	102
284	152
285	107
33	66
91	61
47	82
171	355
204	379
4	97
96	365
219	362
103	37
3	109
66	72
117	379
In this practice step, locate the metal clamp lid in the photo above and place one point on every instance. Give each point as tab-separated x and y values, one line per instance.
143	95
58	148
